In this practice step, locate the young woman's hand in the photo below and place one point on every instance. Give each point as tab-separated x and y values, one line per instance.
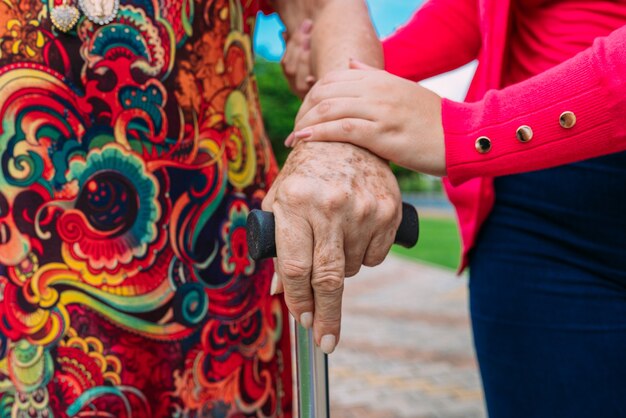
392	117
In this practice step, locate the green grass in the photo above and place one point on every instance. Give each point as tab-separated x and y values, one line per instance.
439	243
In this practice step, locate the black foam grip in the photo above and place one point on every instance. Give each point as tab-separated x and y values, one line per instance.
262	243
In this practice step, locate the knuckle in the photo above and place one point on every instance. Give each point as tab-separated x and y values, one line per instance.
364	209
373	260
324	107
388	208
293	193
388	213
316	95
332	200
347	126
268	201
327	283
294	269
361	213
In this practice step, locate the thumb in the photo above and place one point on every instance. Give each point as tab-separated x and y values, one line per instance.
358	65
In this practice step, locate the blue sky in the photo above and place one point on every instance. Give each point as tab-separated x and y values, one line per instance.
387	15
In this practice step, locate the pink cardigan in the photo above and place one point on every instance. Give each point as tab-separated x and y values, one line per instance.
445	34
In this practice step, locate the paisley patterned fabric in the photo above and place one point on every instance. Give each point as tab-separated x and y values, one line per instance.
130	156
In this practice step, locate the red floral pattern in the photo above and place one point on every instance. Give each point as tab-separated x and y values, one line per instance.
130	155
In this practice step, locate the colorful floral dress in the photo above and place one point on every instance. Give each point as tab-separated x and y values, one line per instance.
130	156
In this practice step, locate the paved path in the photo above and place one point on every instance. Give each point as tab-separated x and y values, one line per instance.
406	348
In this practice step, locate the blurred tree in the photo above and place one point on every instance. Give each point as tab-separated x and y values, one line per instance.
278	104
280	107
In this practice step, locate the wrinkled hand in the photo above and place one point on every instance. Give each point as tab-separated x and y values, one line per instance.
394	118
296	61
336	207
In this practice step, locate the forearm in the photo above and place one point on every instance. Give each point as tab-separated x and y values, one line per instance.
440	36
591	85
342	29
337	38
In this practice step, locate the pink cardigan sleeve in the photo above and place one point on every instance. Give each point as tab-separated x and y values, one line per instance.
442	35
590	88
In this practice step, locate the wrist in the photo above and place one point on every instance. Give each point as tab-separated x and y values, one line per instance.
426	151
459	119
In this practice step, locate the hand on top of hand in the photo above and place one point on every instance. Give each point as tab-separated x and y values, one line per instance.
397	119
336	207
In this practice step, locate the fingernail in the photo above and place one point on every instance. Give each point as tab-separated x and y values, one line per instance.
289	140
274	285
310	80
303	134
328	343
306	320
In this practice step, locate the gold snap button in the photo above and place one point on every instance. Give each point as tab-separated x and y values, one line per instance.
567	120
524	133
483	145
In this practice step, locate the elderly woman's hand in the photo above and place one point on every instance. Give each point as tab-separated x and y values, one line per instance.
336	207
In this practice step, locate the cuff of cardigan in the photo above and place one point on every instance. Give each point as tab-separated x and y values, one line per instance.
546	121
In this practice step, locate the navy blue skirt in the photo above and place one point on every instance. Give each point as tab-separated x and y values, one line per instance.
548	293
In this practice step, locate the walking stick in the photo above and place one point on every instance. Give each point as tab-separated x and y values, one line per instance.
311	362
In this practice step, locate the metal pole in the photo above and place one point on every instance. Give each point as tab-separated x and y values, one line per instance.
312	376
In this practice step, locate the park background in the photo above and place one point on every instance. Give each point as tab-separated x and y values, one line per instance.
406	349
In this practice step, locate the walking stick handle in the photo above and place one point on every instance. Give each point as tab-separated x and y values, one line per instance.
311	362
262	242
